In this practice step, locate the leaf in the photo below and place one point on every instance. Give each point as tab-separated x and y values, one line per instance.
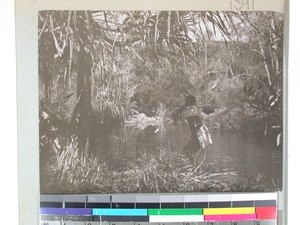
137	54
59	50
44	25
279	139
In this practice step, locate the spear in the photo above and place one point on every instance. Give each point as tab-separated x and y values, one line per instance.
162	125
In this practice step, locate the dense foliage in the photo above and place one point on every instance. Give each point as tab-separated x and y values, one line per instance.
98	69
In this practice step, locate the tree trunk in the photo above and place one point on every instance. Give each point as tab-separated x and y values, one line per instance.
82	112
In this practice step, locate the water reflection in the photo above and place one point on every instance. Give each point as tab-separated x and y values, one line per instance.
230	151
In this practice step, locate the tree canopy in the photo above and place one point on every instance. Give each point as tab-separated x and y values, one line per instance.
121	63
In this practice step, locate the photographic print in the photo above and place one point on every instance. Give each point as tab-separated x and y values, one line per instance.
160	101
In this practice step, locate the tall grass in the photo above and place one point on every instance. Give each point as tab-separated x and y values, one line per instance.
153	172
107	105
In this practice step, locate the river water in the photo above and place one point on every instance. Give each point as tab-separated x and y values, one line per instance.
255	158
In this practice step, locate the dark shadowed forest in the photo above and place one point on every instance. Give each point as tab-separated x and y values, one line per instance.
109	82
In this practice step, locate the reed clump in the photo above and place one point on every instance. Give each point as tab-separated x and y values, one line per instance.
152	172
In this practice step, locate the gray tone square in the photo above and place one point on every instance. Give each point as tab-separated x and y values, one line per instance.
50	223
123	198
173	223
243	223
74	198
51	198
196	198
51	217
223	223
265	222
146	223
72	223
172	198
98	198
219	197
147	198
121	223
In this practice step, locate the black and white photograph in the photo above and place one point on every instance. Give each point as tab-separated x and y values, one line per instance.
160	101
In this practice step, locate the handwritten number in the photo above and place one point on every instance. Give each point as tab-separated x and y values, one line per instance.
242	4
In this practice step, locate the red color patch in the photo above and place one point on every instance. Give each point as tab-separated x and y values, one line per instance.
266	212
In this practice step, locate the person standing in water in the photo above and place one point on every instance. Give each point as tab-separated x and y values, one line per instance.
191	114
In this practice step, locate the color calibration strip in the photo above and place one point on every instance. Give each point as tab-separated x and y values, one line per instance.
225	209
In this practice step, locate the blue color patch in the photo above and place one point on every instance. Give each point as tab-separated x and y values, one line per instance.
120	212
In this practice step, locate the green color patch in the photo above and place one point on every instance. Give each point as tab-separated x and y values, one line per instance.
178	212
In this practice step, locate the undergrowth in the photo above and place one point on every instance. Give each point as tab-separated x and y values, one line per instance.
153	172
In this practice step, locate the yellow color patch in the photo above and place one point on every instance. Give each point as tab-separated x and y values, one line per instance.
228	211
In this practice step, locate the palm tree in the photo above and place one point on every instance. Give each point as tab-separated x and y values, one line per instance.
79	40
